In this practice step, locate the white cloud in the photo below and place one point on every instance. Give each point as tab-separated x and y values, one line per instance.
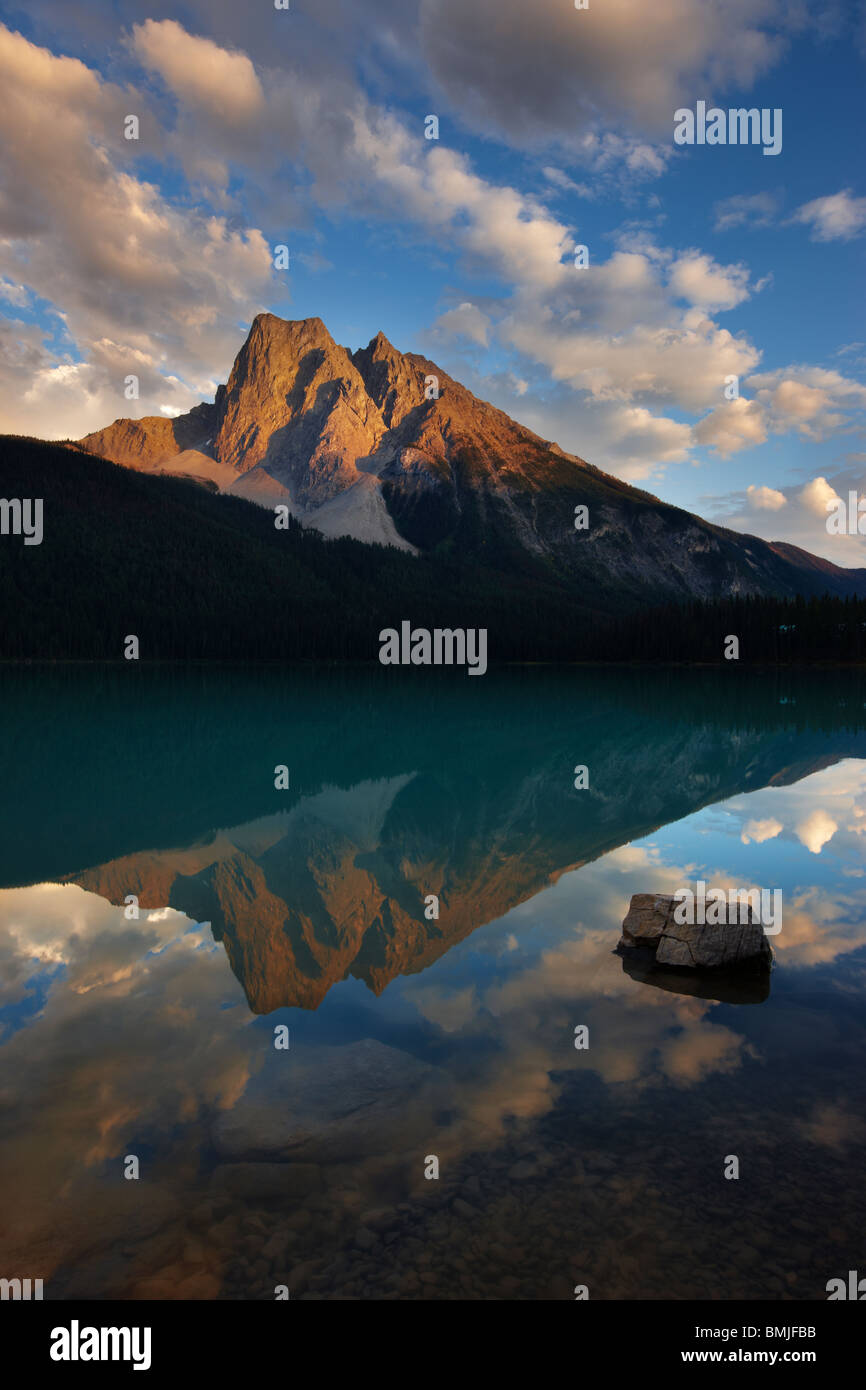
798	401
199	72
816	831
759	831
811	401
732	426
699	280
437	189
766	499
168	287
816	495
638	442
838	217
681	360
801	519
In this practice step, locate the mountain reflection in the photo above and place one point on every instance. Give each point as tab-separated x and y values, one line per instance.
467	799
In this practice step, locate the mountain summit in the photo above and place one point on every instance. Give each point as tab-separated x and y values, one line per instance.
384	446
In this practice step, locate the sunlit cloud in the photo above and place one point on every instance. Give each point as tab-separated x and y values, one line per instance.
816	831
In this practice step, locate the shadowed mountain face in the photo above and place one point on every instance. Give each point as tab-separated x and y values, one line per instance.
391	799
360	444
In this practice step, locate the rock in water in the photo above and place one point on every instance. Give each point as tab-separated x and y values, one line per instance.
727	986
649	928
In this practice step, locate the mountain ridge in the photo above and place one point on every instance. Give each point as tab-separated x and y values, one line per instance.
385	446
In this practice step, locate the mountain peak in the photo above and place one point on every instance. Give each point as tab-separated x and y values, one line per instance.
392	379
297	334
295	404
385	446
380	347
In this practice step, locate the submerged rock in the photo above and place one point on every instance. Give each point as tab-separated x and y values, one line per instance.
649	928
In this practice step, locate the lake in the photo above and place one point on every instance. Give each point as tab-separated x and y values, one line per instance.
168	915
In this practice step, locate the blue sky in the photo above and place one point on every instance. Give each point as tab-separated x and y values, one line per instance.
306	127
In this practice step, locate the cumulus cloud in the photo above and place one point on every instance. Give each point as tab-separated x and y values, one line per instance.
816	830
798	401
684	362
697	279
732	426
47	395
638	443
495	225
138	280
200	72
813	402
766	499
759	831
816	496
837	217
800	517
618	329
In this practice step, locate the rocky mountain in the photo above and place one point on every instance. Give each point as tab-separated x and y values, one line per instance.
385	446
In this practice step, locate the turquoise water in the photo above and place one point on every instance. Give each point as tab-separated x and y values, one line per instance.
414	1037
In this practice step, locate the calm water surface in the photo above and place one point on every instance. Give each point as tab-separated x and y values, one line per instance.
412	1038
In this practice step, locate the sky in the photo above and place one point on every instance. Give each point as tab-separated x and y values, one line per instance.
308	128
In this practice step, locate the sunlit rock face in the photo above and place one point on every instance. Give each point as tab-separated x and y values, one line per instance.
386	447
